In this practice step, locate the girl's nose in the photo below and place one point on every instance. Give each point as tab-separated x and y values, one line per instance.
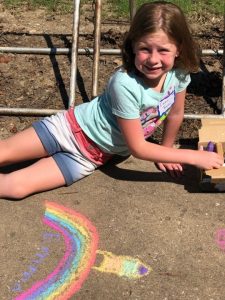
153	57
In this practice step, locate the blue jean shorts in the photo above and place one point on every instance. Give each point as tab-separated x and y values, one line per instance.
60	144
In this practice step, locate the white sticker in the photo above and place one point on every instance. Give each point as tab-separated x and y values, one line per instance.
166	103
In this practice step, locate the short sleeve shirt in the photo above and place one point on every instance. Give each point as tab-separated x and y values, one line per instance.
126	96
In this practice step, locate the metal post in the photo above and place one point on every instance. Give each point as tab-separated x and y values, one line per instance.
82	51
74	52
132	8
97	38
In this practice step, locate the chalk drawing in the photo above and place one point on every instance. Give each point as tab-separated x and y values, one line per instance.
121	265
220	239
81	242
39	259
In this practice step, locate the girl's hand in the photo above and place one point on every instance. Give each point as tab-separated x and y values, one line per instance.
208	160
173	169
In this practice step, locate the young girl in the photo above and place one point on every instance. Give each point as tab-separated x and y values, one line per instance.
158	55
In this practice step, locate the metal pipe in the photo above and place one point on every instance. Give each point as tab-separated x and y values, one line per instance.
15	111
97	38
82	51
8	111
132	8
73	76
211	52
203	116
34	50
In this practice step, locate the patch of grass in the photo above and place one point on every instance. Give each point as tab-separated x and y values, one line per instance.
121	7
52	5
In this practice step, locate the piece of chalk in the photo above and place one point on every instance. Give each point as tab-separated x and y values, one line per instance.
210	147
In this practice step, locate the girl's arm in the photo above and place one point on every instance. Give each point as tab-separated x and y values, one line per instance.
171	127
140	148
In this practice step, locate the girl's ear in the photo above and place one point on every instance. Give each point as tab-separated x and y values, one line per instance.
177	54
178	51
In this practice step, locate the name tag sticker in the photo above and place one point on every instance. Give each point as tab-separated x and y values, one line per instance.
166	103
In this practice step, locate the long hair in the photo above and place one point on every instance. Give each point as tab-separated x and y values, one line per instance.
166	16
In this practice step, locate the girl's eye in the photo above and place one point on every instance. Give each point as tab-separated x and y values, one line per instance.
163	50
143	49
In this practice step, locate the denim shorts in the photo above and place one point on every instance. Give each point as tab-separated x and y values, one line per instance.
59	142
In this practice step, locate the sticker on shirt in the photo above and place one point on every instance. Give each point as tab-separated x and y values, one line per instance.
152	117
166	103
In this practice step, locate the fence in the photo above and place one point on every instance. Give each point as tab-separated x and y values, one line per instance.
96	51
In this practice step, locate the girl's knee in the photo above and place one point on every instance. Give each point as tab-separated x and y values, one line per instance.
12	188
18	192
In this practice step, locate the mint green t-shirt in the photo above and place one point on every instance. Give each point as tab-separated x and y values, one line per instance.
126	96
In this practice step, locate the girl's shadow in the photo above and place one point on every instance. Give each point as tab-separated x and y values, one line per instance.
190	179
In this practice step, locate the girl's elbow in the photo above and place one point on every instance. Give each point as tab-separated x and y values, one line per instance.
136	152
175	116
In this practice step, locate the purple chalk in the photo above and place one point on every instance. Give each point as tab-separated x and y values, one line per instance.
17	288
142	270
47	235
26	276
210	147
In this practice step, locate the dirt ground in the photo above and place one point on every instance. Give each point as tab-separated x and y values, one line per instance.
169	225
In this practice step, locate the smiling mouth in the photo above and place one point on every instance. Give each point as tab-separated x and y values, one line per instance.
152	69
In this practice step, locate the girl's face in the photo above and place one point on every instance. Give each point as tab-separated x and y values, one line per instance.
155	54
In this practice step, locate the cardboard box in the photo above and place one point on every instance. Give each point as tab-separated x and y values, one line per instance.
213	130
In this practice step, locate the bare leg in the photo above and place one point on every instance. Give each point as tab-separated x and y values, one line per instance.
41	176
22	146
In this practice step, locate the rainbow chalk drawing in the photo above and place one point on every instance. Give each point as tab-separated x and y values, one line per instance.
81	242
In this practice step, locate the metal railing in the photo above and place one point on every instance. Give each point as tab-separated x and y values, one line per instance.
96	51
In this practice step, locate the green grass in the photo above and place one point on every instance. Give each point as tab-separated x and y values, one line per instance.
52	5
121	7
